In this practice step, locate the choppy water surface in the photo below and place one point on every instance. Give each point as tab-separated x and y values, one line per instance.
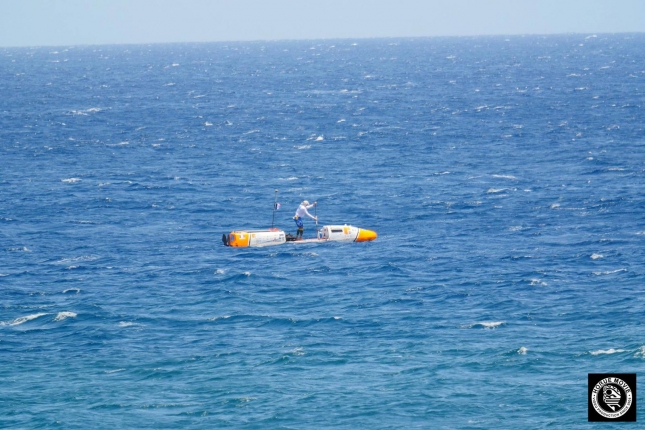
503	175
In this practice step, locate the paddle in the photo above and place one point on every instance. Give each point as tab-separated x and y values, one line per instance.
316	216
275	206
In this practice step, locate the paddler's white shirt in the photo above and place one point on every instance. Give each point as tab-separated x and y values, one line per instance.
302	211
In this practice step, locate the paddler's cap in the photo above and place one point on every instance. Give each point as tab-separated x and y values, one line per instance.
306	203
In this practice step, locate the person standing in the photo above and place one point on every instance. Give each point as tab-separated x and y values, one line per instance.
300	214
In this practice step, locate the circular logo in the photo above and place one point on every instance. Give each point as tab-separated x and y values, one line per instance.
611	397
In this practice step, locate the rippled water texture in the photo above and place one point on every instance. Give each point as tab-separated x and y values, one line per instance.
504	177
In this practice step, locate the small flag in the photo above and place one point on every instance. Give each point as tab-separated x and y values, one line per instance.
277	206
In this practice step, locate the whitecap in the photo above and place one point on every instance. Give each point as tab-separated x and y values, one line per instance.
303	147
555	205
21	320
607	351
127	324
71	180
489	325
208	124
219	318
495	190
77	290
595	256
522	350
504	176
64	315
247	273
220	271
640	352
114	371
609	272
320	138
20	248
81	258
485	325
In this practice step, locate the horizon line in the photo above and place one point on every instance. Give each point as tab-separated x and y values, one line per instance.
318	39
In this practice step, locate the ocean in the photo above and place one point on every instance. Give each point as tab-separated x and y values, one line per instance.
504	176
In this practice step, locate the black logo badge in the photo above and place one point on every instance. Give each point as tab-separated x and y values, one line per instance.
612	397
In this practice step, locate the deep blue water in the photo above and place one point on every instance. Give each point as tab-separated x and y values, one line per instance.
504	176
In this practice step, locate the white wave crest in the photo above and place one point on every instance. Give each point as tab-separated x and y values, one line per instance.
64	315
77	290
21	320
86	111
522	350
71	180
607	351
127	324
595	256
609	272
19	248
485	325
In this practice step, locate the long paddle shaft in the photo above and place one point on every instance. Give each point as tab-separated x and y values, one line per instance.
275	204
316	215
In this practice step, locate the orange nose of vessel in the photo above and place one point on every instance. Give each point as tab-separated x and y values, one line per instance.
365	235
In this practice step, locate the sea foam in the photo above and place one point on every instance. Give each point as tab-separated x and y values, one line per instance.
21	320
64	315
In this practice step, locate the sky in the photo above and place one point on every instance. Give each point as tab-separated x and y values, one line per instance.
99	22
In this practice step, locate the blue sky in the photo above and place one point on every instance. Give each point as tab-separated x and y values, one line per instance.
88	22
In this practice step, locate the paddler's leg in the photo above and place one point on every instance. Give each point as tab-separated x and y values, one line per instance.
301	227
